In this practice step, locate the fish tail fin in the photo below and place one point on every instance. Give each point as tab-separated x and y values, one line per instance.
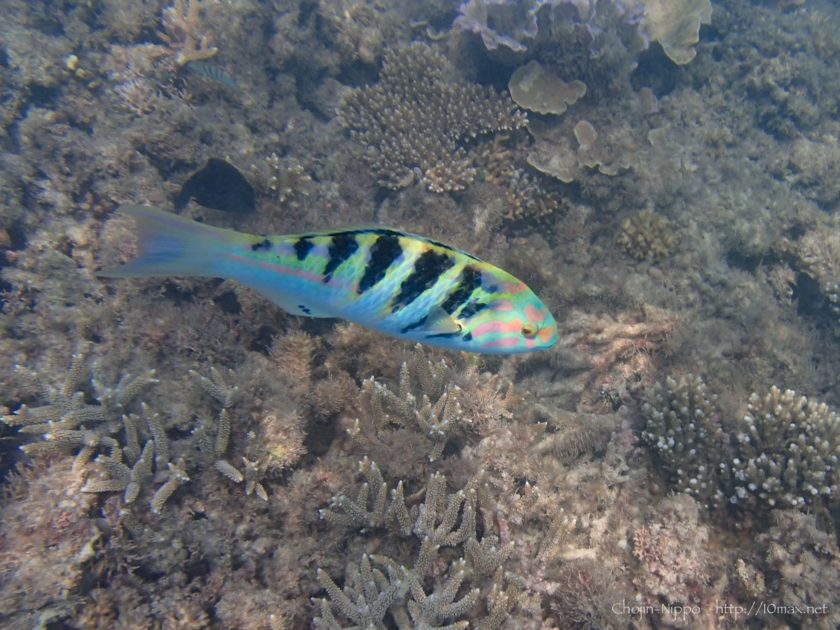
172	245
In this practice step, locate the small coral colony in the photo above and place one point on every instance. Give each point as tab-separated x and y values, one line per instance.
442	314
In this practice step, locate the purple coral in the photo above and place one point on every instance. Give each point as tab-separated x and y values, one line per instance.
515	24
500	22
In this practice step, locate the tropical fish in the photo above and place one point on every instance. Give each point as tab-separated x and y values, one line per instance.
399	284
211	71
220	186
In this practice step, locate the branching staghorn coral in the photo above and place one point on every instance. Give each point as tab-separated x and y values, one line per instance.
438	420
442	520
418	121
435	520
67	421
215	449
128	469
435	397
366	596
181	23
348	512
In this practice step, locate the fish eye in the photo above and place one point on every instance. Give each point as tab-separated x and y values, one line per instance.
529	330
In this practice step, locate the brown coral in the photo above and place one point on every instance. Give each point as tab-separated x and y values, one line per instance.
647	235
46	537
181	22
417	122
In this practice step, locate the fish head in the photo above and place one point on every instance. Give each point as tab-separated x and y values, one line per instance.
515	320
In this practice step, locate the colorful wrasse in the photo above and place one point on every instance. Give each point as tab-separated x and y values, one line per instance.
399	284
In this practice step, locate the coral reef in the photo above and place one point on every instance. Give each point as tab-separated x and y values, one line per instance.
517	25
68	422
788	451
417	120
47	541
181	453
783	453
442	520
683	428
181	23
441	401
676	25
647	235
555	153
536	89
801	569
677	568
499	22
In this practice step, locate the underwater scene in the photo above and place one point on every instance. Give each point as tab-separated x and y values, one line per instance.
492	314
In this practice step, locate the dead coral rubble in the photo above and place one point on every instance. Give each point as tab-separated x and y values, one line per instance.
419	121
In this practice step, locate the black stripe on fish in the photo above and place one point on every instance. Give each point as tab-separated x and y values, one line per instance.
384	251
451	249
264	244
445	335
414	325
471	309
342	246
469	281
428	267
302	247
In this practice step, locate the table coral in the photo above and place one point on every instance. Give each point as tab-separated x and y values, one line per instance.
512	25
675	24
537	89
570	150
417	122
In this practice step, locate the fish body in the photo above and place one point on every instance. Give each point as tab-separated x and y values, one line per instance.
397	283
213	72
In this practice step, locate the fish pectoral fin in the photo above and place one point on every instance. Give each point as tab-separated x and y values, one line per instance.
440	323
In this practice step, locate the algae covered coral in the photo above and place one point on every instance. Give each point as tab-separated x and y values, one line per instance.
180	453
